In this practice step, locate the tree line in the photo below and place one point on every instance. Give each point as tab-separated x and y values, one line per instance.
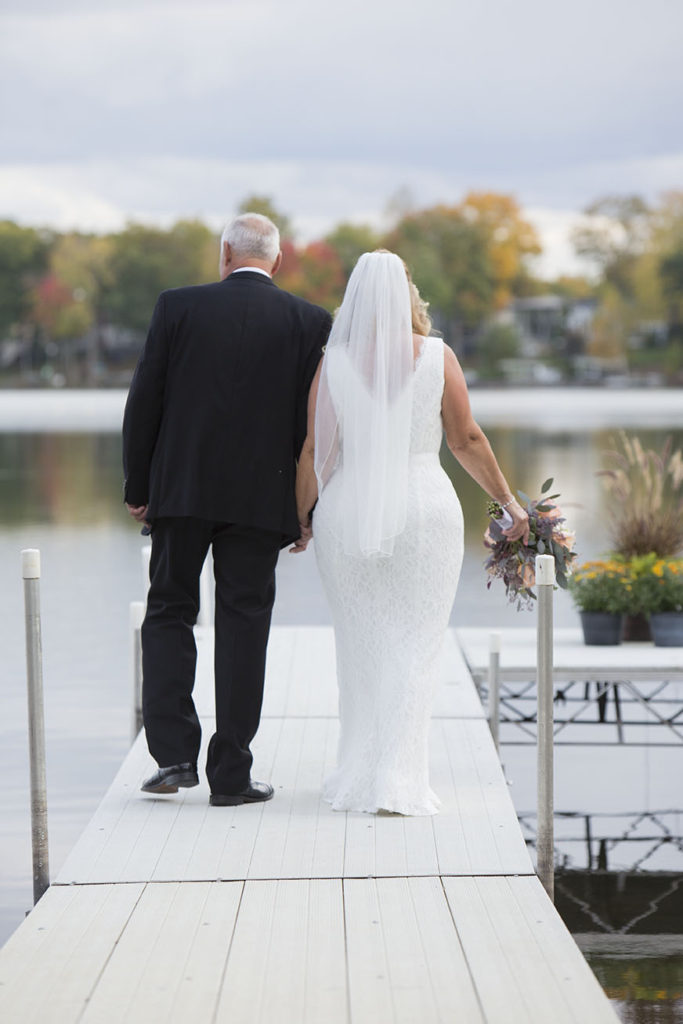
469	260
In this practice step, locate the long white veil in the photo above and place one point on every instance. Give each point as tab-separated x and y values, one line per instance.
364	407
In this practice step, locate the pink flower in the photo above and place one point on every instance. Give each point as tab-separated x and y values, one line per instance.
528	575
553	511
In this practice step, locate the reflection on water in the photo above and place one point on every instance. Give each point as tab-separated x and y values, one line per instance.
62	493
72	478
644	979
59	478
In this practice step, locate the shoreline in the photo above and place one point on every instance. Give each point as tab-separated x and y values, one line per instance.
546	410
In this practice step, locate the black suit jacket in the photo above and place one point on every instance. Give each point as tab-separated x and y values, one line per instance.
216	412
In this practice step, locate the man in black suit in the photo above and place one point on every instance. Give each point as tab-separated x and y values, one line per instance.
215	419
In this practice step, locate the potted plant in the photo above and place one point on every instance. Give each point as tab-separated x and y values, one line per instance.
645	490
602	591
659	593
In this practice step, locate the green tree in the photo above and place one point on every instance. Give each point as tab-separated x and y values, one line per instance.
350	241
497	342
265	206
669	242
146	261
23	260
671	272
611	327
449	259
616	234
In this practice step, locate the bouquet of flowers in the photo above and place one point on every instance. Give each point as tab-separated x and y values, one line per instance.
513	562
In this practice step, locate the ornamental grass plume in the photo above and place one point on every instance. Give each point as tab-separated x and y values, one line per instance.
645	488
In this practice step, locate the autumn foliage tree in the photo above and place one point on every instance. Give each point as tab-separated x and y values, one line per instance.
511	241
24	254
314	272
451	264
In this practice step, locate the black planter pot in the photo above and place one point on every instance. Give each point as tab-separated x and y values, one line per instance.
601	628
667	629
636	627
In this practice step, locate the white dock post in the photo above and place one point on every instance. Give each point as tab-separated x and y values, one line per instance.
494	687
137	614
204	618
146	556
545	582
30	571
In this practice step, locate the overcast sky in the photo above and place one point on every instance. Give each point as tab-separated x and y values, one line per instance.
122	109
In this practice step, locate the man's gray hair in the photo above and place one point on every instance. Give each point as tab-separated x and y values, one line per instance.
251	235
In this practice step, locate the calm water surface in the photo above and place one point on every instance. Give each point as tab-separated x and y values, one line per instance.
62	493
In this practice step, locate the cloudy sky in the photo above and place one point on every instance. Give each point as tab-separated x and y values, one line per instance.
138	109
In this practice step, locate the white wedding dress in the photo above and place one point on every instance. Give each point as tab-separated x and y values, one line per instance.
390	616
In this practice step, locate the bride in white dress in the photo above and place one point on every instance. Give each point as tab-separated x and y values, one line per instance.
388	527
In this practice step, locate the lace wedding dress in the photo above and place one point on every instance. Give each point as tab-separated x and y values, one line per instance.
390	615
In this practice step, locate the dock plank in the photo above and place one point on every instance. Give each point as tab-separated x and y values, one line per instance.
49	967
497	925
297	834
572	658
477	831
287	958
301	676
168	909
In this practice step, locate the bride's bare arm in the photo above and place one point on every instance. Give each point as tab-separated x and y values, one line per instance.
471	448
306	482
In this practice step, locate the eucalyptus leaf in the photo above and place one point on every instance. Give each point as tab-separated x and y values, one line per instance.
543	508
540	547
547	485
525	497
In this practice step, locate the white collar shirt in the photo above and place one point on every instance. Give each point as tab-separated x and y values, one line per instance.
252	270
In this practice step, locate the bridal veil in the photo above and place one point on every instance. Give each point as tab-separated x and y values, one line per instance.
364	407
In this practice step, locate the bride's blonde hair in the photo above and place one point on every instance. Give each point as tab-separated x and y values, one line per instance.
422	323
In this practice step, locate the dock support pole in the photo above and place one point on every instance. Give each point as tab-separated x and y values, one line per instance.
494	687
137	614
146	556
204	617
545	581
30	571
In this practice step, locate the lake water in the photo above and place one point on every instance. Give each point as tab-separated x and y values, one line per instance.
60	491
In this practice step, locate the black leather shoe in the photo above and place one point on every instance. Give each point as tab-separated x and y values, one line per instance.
167	780
255	792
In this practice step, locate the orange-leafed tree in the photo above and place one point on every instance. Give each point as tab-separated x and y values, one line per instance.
314	272
511	240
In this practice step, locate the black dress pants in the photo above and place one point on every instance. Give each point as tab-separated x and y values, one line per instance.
244	567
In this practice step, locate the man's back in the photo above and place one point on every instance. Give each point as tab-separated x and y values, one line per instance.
216	413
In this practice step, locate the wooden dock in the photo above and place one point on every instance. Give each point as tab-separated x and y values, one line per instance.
288	912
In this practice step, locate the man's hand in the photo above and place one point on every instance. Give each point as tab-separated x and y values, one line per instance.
138	512
302	543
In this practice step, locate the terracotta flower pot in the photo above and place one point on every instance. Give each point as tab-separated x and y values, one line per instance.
667	629
601	628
